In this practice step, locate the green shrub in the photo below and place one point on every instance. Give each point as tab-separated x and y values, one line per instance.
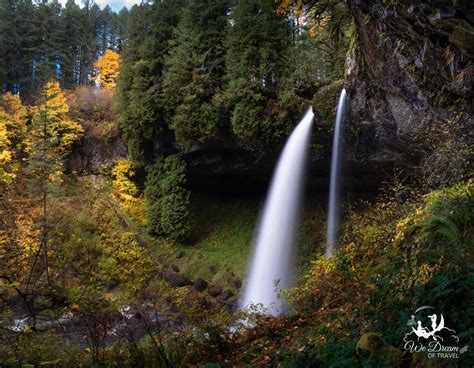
167	201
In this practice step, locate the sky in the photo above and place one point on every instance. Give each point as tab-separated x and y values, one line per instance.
116	5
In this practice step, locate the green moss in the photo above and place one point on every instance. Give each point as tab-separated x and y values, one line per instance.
378	350
325	102
443	225
222	232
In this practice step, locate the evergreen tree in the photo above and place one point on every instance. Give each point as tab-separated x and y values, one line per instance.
51	137
16	45
140	97
167	201
122	29
41	41
258	46
48	42
71	27
88	40
195	69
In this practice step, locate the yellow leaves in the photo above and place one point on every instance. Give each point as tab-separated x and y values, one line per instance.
123	172
63	130
126	191
13	119
5	153
14	115
52	124
108	69
56	102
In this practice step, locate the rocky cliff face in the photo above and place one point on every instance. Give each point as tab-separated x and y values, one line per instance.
409	80
98	147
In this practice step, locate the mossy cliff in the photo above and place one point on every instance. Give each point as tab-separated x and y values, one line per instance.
409	81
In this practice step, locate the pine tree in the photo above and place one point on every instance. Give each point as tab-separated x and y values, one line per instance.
258	45
51	137
194	72
167	201
16	45
140	97
48	42
88	40
71	27
122	29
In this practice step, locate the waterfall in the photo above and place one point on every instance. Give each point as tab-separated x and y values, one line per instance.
272	258
335	180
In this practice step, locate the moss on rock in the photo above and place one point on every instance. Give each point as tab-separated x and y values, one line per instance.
421	360
325	102
377	349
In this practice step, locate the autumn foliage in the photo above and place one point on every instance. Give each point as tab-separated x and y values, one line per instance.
108	69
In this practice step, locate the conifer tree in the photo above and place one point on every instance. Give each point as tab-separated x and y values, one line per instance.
195	69
48	42
167	200
51	136
140	94
71	27
258	45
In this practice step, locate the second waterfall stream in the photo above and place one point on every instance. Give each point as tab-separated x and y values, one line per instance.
334	203
272	260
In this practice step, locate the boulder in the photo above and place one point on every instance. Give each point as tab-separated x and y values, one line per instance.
177	280
200	285
226	294
380	352
175	268
214	290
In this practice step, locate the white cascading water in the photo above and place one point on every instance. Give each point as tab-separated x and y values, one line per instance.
335	180
270	268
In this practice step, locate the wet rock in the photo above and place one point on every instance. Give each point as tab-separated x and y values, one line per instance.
226	294
175	268
96	149
177	280
214	290
325	102
200	285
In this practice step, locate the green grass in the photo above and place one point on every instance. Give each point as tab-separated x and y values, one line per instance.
221	239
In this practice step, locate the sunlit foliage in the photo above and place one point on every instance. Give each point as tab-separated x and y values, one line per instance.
108	69
126	190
